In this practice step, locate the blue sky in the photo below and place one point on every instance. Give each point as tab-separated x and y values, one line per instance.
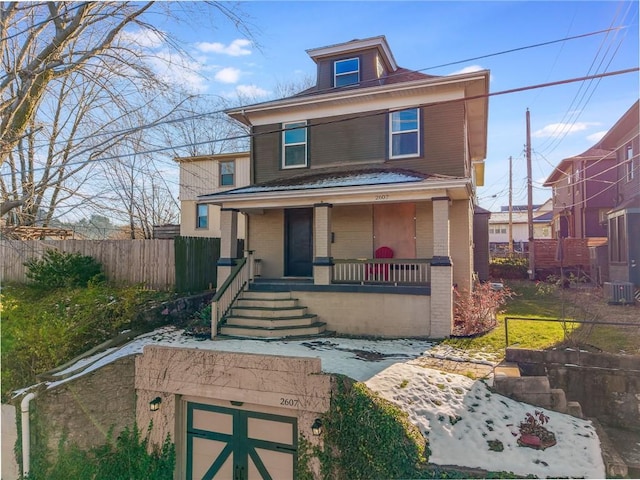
565	120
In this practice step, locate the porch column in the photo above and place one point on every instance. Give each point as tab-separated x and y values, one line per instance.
322	261
441	272
228	243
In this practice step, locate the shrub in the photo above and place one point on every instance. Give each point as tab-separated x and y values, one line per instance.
60	269
475	312
127	458
509	267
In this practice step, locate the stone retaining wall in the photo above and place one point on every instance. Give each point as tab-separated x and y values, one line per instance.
606	385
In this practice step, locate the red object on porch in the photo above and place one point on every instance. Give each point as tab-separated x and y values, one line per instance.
380	271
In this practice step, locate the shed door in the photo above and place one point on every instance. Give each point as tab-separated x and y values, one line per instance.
229	444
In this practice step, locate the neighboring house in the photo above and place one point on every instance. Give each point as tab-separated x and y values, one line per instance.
499	226
583	193
623	218
374	161
206	174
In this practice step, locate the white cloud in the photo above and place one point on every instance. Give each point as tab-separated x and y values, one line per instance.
178	69
597	136
228	75
144	37
559	129
236	48
469	69
252	91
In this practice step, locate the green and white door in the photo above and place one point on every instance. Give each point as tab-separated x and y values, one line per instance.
233	444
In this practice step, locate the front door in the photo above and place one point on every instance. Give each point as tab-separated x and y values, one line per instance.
298	240
230	444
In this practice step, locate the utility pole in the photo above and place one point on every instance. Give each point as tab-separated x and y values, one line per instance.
532	266
510	206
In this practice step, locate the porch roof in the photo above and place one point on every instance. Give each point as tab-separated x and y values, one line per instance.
339	182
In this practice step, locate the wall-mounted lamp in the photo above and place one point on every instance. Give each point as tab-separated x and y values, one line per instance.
155	404
316	428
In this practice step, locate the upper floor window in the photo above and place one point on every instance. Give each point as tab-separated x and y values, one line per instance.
629	159
404	131
227	173
346	72
294	145
202	215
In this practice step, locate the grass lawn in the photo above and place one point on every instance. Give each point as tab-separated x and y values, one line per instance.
42	329
545	302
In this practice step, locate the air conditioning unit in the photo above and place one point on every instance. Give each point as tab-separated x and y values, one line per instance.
619	293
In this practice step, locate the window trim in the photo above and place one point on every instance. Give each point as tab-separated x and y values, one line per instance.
344	74
417	130
220	174
198	216
629	162
285	145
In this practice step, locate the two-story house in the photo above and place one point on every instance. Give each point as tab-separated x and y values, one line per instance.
361	198
518	221
201	175
581	198
623	219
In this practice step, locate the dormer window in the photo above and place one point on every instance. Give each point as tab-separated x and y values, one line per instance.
346	72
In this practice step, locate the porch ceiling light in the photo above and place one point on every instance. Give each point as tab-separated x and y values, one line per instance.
154	404
316	428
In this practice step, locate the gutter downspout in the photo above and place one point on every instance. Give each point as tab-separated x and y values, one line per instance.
26	433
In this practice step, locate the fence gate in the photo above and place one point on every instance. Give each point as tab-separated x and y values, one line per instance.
226	443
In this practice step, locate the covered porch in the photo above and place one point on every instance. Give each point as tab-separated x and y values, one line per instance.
357	257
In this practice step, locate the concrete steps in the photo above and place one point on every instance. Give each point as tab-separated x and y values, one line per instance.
534	389
270	315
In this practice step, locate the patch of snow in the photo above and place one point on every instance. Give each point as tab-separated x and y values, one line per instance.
459	416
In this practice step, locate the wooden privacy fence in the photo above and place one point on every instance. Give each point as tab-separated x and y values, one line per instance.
149	262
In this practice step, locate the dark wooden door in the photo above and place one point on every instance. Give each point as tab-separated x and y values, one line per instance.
298	239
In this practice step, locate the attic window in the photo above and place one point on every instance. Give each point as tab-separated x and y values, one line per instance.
346	72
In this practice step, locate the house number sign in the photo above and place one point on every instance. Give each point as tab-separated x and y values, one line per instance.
383	196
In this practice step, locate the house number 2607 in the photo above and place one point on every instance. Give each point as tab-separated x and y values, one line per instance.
382	197
290	402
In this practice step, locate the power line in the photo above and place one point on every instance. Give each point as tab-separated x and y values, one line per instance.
404	72
354	117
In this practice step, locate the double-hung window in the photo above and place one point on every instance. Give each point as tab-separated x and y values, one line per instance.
404	132
346	72
294	145
227	173
202	215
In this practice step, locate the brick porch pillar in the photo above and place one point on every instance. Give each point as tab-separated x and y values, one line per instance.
322	261
228	243
441	272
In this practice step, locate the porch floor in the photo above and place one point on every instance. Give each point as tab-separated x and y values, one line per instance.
305	284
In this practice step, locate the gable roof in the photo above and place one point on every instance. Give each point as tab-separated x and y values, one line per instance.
563	167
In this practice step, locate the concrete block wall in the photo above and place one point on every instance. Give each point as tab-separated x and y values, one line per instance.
86	408
607	386
353	229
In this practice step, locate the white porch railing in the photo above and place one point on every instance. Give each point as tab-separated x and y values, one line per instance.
396	271
230	290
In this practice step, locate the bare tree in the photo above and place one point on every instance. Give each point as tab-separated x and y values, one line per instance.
78	87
